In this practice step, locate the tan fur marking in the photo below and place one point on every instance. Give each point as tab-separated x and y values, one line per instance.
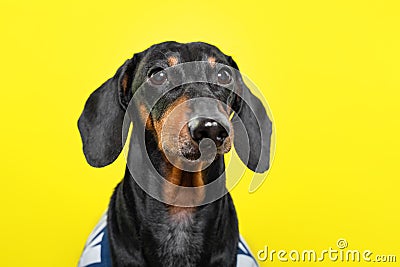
211	60
183	179
173	120
172	61
124	83
145	116
227	145
222	110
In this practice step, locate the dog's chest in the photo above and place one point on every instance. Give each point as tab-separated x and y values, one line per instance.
181	241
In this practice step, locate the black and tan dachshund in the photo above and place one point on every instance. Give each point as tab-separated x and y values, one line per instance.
142	230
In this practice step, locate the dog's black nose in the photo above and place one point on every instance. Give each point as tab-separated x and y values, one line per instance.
206	128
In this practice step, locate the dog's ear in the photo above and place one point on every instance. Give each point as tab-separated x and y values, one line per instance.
252	127
100	123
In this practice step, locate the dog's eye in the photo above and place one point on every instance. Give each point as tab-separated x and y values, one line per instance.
157	76
224	76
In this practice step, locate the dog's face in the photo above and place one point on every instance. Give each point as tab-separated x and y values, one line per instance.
185	114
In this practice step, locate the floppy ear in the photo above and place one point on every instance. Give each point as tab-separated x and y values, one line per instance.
100	123
252	128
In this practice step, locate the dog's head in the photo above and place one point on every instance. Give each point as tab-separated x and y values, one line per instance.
185	114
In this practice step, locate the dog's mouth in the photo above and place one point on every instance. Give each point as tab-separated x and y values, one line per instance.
189	150
193	151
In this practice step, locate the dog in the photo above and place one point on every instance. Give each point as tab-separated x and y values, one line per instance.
172	229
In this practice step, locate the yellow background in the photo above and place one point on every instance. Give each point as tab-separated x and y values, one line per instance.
329	70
